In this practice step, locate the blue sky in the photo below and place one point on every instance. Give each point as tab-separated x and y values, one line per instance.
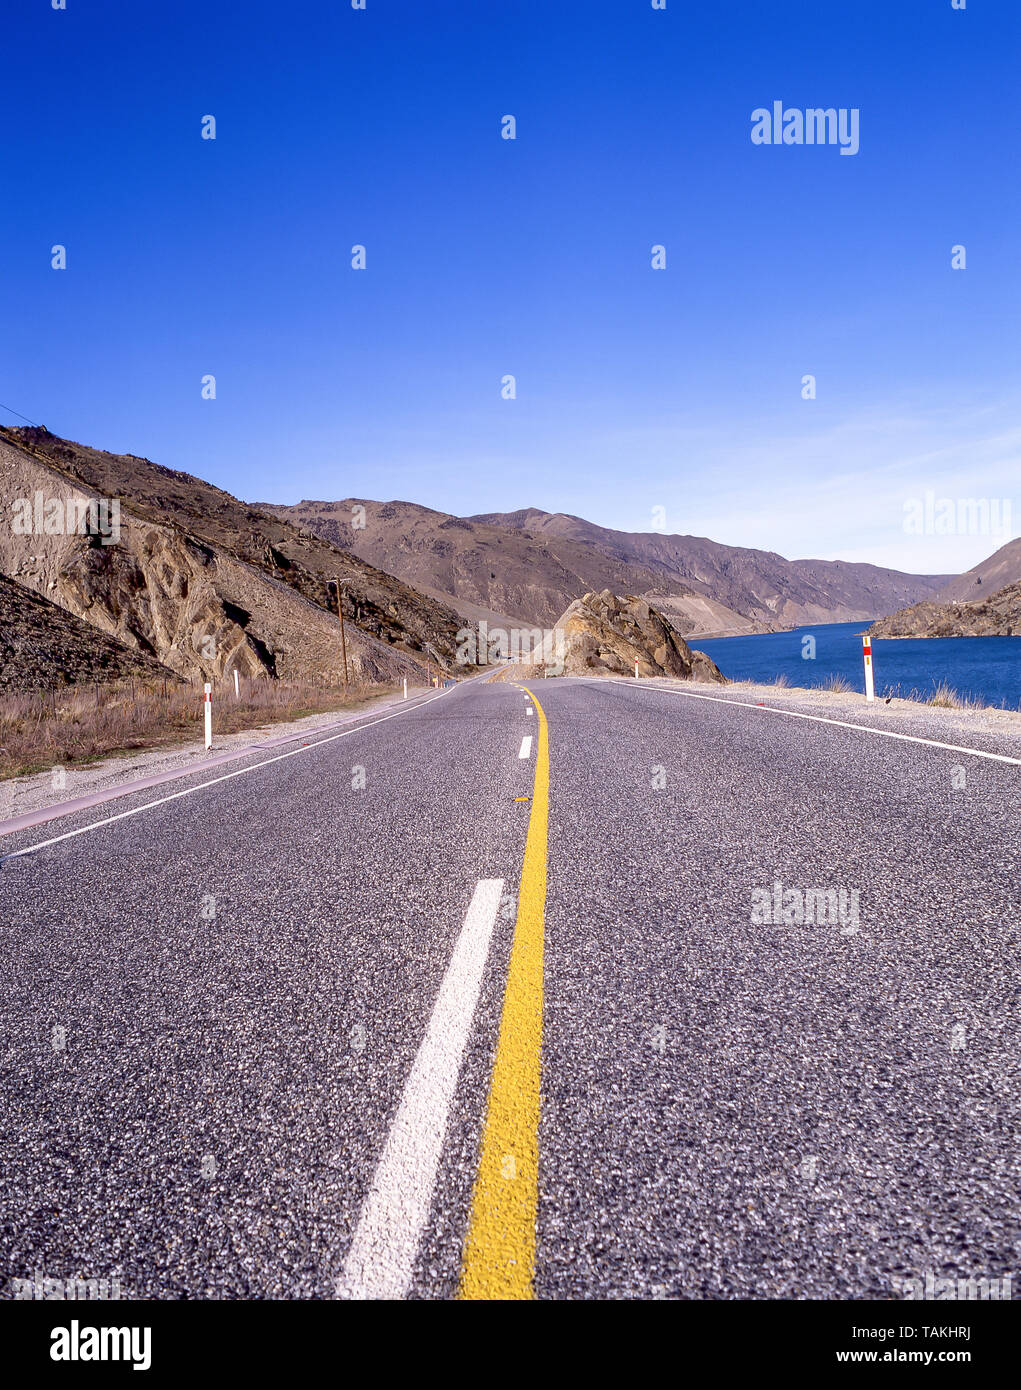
636	388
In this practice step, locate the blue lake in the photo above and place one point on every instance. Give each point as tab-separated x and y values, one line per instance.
986	668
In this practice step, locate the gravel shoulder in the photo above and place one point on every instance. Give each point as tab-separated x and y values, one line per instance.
993	730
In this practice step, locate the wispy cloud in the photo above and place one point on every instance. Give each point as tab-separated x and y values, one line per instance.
843	492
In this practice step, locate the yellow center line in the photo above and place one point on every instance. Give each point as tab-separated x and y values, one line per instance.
499	1259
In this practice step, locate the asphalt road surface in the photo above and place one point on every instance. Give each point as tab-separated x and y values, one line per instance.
732	1014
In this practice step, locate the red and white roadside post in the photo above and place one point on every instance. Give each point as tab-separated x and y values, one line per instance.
237	687
870	681
208	707
636	668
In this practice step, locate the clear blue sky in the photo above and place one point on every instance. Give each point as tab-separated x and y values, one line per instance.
637	388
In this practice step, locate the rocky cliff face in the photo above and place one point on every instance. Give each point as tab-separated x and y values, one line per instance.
999	615
604	634
197	580
43	646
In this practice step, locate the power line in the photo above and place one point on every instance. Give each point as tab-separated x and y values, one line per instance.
20	416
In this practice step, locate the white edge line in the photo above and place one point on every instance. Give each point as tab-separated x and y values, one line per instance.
238	772
381	1260
840	723
526	746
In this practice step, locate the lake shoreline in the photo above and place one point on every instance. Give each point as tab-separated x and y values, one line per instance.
968	672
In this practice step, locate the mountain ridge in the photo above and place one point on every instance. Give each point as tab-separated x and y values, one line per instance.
992	574
532	563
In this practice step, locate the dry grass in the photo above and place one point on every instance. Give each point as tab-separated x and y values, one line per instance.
839	685
946	697
38	731
942	695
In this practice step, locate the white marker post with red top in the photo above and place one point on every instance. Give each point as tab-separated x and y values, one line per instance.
870	682
208	706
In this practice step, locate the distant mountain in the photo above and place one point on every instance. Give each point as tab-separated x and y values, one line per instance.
507	575
531	564
996	615
758	584
984	601
1003	567
201	582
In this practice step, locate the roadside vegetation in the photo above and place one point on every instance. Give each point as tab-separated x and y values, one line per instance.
84	723
942	695
946	697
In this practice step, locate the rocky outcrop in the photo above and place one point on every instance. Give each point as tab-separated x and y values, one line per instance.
42	646
604	634
999	615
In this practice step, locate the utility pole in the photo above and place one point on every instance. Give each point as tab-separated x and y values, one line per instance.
343	640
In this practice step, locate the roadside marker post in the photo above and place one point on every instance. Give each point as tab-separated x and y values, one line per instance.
208	707
870	682
237	687
405	687
636	668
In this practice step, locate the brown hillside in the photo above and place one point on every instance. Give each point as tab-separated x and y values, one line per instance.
605	634
995	573
203	582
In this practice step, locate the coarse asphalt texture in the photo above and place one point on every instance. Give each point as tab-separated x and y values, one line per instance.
211	1009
